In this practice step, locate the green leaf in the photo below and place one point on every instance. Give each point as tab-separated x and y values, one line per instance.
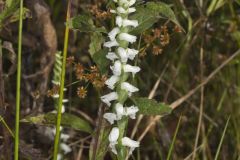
68	120
150	13
145	19
96	43
84	23
15	16
151	107
101	61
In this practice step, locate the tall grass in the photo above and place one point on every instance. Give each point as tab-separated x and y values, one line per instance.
59	109
18	93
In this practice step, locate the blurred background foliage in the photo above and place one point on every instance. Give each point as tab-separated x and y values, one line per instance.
181	58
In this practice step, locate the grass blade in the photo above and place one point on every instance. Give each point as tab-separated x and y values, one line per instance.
174	138
5	124
221	141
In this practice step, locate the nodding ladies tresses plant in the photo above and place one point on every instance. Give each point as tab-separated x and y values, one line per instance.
65	149
120	55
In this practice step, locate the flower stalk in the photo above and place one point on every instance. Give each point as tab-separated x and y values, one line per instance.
60	100
120	39
18	89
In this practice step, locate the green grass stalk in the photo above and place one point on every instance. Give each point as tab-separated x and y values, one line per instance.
221	141
18	92
174	139
5	124
59	109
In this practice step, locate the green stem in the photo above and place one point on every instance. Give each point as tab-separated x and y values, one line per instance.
18	93
59	109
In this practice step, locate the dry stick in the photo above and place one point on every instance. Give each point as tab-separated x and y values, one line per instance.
201	106
150	96
190	93
79	156
190	155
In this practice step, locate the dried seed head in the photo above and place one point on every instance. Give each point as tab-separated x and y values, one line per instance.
157	50
70	60
81	92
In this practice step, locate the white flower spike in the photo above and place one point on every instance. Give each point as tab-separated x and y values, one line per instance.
119	39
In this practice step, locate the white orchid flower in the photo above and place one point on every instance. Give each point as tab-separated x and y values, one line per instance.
127	22
119	21
127	37
109	97
113	33
113	137
129	68
65	148
110	117
111	56
112	81
131	53
123	54
110	44
119	110
116	68
129	88
131	111
130	143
